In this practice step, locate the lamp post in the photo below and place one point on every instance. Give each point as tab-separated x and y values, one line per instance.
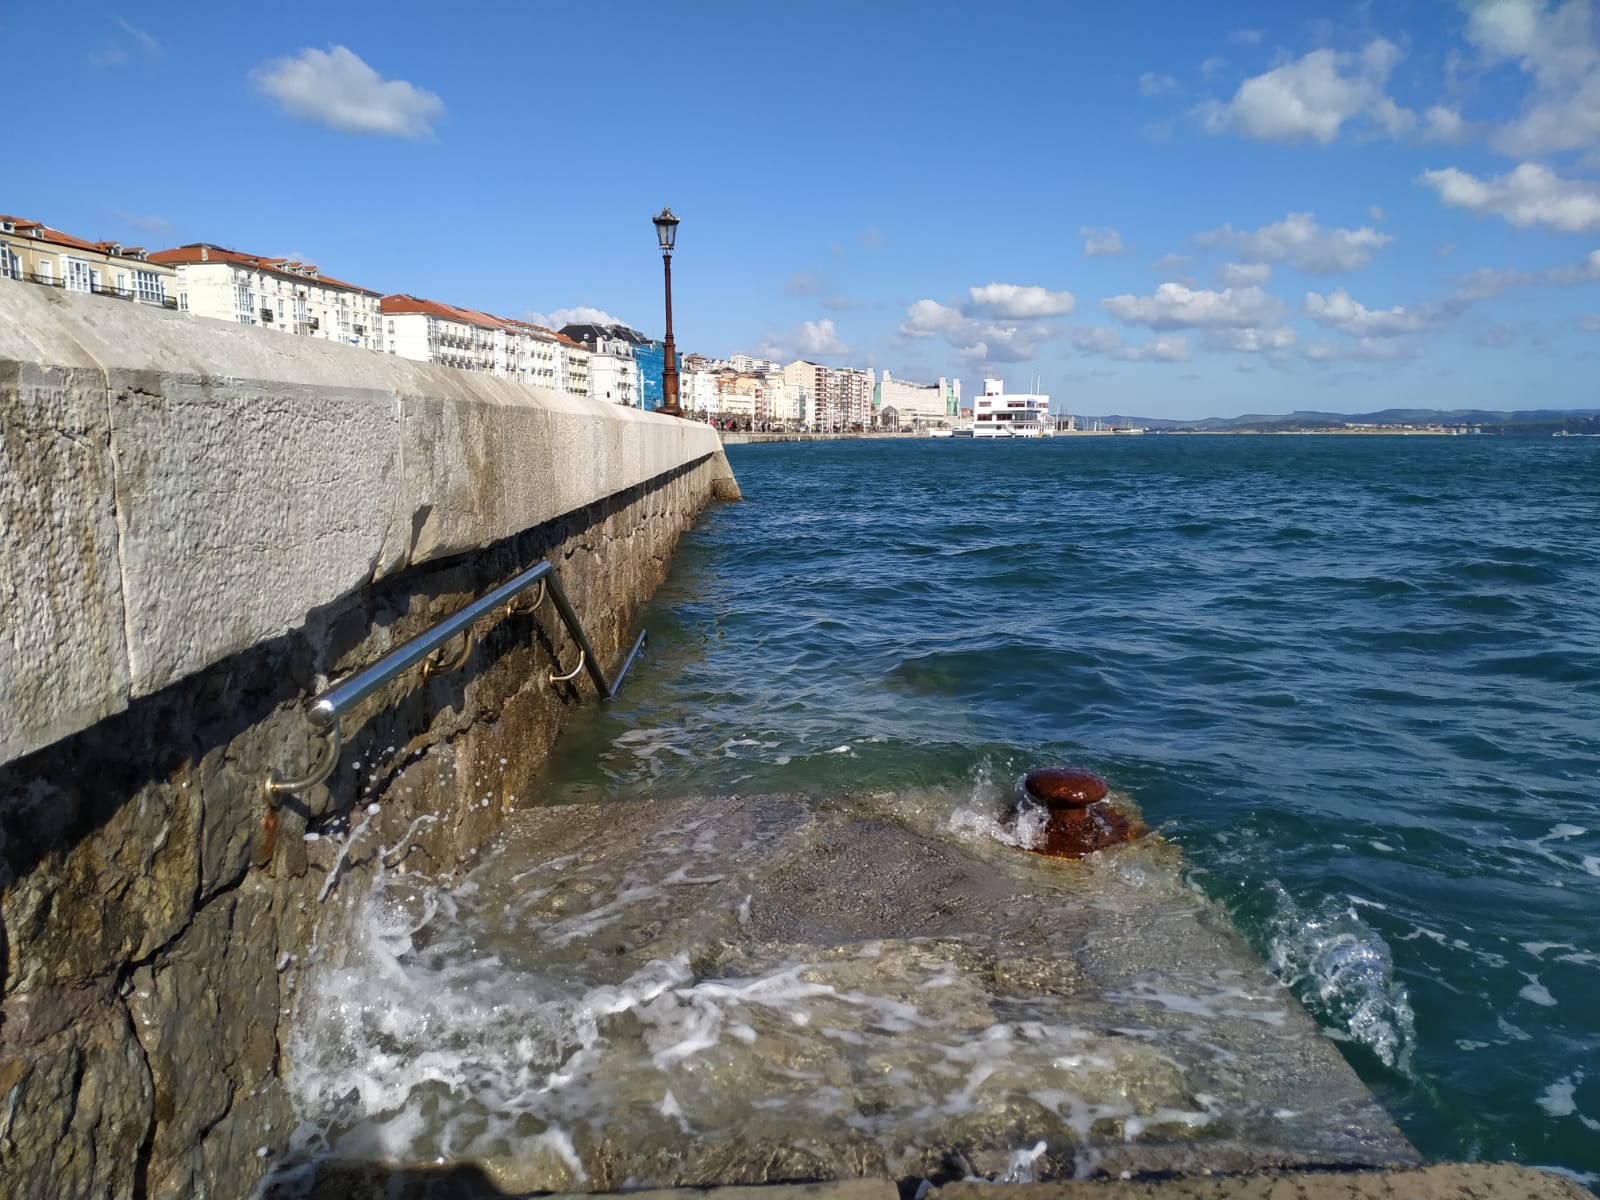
667	231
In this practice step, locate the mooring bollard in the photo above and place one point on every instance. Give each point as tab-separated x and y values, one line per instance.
1081	820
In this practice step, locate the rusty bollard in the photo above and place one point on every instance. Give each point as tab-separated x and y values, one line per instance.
1080	820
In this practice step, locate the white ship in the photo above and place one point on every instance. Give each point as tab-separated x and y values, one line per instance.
1022	414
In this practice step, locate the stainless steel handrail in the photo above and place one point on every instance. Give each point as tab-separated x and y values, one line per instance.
326	710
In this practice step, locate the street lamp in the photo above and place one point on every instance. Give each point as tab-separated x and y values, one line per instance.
667	231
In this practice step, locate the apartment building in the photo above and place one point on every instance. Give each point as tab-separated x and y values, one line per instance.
638	384
916	405
274	293
543	362
836	398
32	252
430	331
576	356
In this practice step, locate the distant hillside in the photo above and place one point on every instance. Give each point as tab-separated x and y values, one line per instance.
1531	422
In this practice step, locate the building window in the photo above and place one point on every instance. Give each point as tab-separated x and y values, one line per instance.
183	301
10	264
79	276
149	286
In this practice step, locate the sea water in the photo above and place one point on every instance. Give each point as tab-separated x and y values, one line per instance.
1355	681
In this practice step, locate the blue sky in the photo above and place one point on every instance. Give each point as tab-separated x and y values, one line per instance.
1168	209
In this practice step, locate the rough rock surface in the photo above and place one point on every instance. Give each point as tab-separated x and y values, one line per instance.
151	905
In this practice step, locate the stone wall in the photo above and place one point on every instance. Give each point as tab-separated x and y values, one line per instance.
202	526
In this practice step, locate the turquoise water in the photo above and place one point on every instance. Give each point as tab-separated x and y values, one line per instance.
1357	680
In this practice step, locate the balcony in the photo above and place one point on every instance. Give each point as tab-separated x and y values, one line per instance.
99	289
266	316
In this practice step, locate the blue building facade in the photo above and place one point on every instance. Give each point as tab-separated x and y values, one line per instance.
651	357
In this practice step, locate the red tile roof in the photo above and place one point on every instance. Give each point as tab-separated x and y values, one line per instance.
26	228
401	303
203	252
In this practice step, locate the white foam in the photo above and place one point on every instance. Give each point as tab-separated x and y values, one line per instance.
1558	1099
1537	949
1020	1168
1343	971
1535	992
558	1140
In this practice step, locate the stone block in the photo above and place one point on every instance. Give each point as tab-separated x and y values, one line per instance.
207	1016
243	505
66	664
122	891
77	1096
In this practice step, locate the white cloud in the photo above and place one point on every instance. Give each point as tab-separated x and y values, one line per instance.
1274	342
1246	37
145	41
1375	211
1169	347
1530	195
1312	97
1171	262
1589	322
1339	311
578	315
1395	120
1360	350
1096	339
1002	322
929	318
116	56
1101	241
1491	281
336	88
819	337
1011	300
1174	306
1152	84
1244	274
1443	124
1213	66
1556	47
871	237
1306	246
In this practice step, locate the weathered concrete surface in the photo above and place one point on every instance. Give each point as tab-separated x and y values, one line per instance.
174	490
191	549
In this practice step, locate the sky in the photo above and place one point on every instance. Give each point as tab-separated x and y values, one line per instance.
1165	209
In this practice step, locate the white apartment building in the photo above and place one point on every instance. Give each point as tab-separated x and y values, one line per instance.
919	406
274	293
697	391
785	405
428	331
543	363
576	356
839	398
613	371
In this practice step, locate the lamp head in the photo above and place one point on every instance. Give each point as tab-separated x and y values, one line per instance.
666	229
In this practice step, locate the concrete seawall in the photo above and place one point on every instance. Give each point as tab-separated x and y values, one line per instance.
203	525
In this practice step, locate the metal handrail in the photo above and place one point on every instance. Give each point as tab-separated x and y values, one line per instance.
326	710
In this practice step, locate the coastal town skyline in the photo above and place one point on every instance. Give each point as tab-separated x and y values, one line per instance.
1168	213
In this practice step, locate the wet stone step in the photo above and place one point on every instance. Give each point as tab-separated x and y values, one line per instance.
753	990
